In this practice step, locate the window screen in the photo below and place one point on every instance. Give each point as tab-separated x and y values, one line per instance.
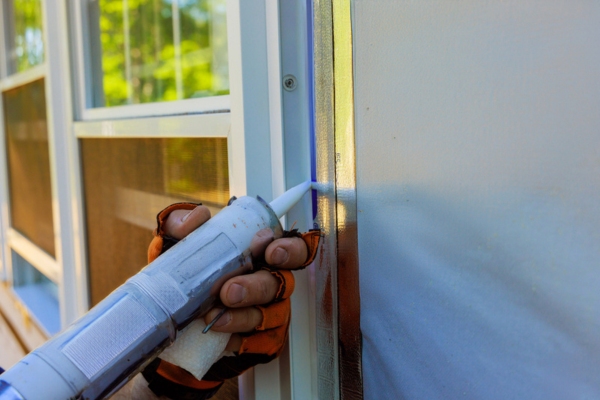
157	50
29	163
127	182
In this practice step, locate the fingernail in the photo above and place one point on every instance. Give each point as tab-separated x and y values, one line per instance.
279	256
224	320
236	293
186	216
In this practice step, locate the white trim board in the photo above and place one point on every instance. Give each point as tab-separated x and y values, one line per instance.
23	78
212	104
35	256
201	125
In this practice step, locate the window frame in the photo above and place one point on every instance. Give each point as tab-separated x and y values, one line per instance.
253	110
83	62
64	176
12	240
254	118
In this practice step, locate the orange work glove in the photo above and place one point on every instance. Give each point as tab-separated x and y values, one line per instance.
261	345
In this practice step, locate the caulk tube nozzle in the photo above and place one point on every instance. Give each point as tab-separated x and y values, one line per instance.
282	204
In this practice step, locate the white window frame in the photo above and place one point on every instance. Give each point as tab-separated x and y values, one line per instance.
31	334
253	110
252	118
84	104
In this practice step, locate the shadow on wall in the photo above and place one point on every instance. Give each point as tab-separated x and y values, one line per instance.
490	296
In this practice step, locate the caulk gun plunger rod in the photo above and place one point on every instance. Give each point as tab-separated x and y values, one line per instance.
282	204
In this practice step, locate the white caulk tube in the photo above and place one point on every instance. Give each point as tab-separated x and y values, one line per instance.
116	339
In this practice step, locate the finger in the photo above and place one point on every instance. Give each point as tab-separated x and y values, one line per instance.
287	253
234	344
181	223
235	320
249	290
260	241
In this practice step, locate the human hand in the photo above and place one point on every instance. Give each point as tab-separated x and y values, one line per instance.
257	305
242	293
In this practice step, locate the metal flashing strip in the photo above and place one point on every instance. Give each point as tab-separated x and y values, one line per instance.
349	334
326	271
338	322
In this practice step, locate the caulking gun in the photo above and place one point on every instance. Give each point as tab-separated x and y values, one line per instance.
117	338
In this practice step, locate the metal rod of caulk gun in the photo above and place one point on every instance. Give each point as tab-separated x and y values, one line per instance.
280	206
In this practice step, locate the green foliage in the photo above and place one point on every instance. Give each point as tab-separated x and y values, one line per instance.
197	168
148	56
27	50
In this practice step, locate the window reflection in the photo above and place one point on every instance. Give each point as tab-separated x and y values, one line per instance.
24	35
37	292
159	50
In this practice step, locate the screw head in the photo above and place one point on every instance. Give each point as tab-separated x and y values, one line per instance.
289	82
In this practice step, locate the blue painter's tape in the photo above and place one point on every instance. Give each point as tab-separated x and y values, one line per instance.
311	107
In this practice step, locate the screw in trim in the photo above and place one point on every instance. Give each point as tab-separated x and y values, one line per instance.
289	82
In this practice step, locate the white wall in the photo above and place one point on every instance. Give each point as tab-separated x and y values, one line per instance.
478	170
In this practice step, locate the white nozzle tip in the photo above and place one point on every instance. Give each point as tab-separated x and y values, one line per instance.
286	201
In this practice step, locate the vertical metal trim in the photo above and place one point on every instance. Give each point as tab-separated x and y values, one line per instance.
350	338
326	269
338	297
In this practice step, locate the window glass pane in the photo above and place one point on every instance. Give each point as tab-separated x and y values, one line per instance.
127	182
158	50
39	293
29	163
24	35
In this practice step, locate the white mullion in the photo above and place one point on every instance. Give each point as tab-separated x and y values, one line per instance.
272	380
236	148
64	166
250	148
4	200
276	124
127	48
177	48
23	78
4	270
35	256
250	152
177	107
81	53
297	134
203	125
